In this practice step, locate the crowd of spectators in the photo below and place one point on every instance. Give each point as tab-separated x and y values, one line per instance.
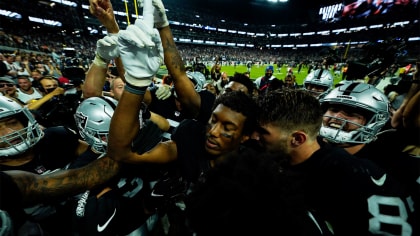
92	144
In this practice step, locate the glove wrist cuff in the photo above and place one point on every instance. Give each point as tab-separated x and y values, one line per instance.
134	89
101	62
161	25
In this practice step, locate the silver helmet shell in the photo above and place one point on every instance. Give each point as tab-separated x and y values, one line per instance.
93	119
319	78
198	79
365	98
18	140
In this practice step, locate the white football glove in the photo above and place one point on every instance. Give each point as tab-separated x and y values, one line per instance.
163	92
107	47
141	53
159	15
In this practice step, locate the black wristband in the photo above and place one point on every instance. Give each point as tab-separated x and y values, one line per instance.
134	89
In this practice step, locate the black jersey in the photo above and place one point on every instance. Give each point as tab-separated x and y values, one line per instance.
391	151
354	195
190	137
12	215
120	211
168	109
55	151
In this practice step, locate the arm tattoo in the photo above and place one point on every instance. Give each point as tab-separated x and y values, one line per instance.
37	188
174	60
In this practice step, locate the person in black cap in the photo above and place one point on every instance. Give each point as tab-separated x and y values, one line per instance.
8	88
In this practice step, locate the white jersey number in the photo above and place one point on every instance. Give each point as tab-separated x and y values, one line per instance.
374	203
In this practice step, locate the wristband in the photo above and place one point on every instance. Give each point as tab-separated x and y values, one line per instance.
134	89
99	61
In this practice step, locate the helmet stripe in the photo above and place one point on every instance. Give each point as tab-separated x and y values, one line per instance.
350	88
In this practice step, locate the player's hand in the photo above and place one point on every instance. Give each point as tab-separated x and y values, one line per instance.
163	92
141	53
160	18
107	47
104	12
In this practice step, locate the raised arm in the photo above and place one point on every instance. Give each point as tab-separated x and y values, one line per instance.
189	98
142	54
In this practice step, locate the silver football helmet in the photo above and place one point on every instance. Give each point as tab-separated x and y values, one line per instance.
93	119
198	79
18	138
368	100
319	82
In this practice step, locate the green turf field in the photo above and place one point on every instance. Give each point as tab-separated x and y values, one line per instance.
257	71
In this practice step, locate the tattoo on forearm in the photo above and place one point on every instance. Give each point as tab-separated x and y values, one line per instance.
172	56
67	182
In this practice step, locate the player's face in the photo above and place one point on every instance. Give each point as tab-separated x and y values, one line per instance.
8	126
315	88
274	139
224	131
337	115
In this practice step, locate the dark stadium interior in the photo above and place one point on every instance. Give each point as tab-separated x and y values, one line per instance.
272	24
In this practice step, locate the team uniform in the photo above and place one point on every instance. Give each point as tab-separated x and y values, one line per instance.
12	215
392	153
121	210
365	109
191	166
55	151
355	196
167	108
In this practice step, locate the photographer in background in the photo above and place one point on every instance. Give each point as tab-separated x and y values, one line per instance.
58	104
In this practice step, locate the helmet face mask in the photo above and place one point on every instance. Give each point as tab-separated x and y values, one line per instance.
93	119
26	132
361	97
319	83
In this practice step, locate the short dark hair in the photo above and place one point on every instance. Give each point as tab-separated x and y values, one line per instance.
242	103
243	79
291	109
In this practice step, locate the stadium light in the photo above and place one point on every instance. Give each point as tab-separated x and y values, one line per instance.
10	14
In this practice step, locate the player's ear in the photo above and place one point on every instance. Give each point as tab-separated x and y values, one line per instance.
298	138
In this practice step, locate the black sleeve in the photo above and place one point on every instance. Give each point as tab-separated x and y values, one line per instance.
10	202
207	100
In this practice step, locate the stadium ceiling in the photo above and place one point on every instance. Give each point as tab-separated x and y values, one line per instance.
258	11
